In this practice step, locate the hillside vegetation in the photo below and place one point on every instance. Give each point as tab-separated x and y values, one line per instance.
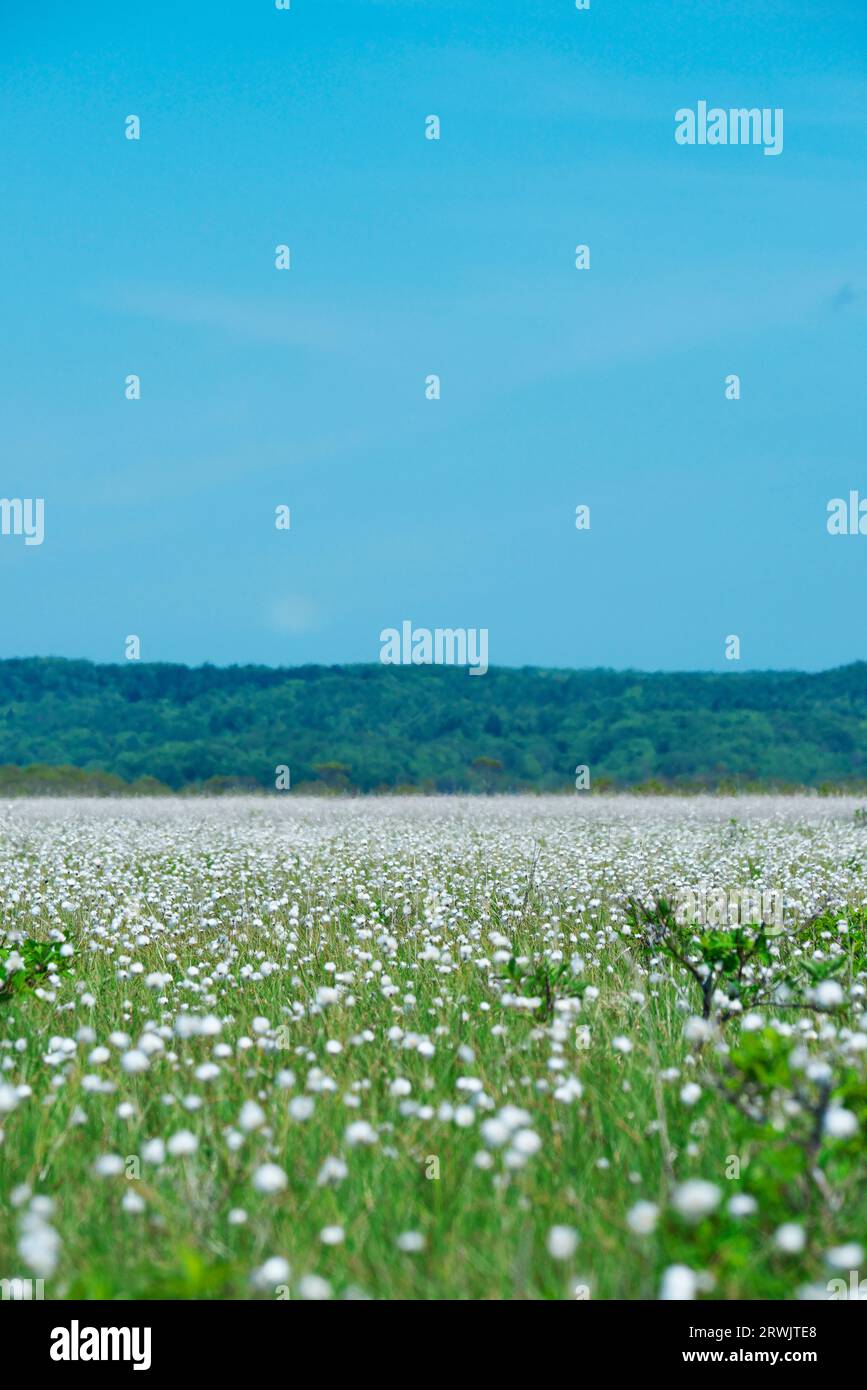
431	728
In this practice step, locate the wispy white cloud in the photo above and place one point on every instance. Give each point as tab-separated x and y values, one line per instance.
240	315
293	614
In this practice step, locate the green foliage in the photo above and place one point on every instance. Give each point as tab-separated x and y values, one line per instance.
731	962
760	1062
41	780
70	727
25	964
546	982
785	1107
188	1276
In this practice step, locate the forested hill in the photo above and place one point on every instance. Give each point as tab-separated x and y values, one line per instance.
433	728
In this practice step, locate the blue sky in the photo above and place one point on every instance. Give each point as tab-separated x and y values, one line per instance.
412	257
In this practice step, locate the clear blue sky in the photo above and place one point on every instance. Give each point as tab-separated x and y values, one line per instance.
412	257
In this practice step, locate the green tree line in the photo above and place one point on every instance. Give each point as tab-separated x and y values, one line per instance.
77	726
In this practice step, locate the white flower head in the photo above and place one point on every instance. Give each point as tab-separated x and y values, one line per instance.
840	1123
696	1198
134	1061
642	1218
410	1242
679	1283
828	994
108	1166
849	1256
562	1242
790	1238
742	1204
333	1171
360	1132
272	1273
269	1178
183	1143
252	1116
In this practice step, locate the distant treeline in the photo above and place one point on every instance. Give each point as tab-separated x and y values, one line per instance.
72	727
41	780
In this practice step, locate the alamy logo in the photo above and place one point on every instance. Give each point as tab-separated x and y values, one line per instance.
22	1290
23	516
444	646
102	1344
847	519
735	907
738	126
856	1290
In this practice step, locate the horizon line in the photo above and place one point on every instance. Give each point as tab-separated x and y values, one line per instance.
393	667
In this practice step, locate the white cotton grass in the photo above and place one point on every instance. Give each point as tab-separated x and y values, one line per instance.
840	1123
289	1017
360	1133
301	1108
252	1116
182	1144
562	1242
411	1242
332	1172
108	1166
269	1178
494	1132
39	1244
696	1199
741	1205
697	1030
314	1288
790	1238
850	1256
642	1218
828	994
526	1142
679	1284
134	1061
271	1275
8	1099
